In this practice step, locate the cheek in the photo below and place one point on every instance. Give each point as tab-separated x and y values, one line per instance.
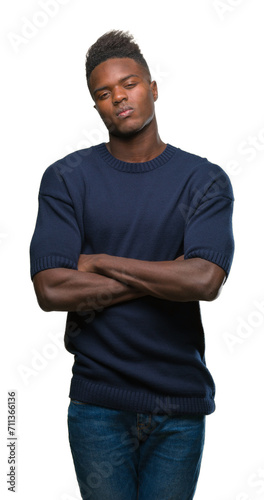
144	101
104	111
105	117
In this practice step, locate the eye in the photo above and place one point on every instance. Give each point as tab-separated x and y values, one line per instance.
130	85
104	95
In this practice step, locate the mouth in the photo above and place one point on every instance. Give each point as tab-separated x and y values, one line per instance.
124	112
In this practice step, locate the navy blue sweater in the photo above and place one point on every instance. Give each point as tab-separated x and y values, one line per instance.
148	354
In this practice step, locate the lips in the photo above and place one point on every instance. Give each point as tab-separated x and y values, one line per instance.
124	112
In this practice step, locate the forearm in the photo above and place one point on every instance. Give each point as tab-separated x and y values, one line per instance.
70	290
179	280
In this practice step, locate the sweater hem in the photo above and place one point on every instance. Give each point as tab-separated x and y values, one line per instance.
117	398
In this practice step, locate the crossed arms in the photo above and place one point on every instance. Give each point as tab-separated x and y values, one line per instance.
105	280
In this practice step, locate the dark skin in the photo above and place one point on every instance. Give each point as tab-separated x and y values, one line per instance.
124	97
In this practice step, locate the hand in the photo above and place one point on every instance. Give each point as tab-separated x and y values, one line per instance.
87	263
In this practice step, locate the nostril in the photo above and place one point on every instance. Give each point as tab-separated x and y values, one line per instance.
117	100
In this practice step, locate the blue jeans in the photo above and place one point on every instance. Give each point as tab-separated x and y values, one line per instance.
122	455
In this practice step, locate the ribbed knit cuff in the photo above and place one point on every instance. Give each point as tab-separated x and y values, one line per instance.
50	262
215	257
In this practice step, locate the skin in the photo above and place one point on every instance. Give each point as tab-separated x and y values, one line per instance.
133	138
103	280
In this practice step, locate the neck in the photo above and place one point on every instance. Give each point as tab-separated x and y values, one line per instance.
141	147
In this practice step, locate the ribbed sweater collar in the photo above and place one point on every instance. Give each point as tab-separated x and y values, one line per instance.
146	166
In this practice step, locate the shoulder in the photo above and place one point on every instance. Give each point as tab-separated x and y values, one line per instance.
69	170
203	175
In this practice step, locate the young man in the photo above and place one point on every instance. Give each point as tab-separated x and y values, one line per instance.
130	236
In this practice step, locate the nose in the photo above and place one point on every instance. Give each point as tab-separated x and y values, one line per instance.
118	94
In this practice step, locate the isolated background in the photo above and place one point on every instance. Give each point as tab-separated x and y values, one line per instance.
207	57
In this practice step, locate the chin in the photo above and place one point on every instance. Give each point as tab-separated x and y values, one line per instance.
129	131
124	133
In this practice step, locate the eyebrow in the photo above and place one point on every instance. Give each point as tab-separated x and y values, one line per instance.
120	81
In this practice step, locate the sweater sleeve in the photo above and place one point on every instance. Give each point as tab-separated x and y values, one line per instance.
56	240
208	231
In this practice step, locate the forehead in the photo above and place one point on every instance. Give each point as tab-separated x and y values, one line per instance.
114	70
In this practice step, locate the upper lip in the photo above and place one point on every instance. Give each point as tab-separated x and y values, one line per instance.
124	108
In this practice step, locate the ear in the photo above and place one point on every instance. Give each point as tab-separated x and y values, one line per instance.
154	89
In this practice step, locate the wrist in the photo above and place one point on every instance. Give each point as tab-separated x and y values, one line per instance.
100	263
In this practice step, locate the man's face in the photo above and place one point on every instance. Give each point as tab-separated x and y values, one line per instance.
124	95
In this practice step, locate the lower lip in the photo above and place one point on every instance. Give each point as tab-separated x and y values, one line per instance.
126	113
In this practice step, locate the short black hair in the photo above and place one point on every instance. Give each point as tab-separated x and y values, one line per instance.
113	44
